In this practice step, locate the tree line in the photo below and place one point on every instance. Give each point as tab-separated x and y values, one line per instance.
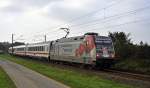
4	46
124	47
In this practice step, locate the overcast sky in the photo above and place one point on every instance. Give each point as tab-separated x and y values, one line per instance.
30	20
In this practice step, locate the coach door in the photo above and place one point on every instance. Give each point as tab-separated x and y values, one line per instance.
52	50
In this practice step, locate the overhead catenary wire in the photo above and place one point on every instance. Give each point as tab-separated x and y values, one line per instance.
118	25
113	16
94	12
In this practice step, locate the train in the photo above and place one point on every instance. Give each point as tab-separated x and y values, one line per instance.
89	49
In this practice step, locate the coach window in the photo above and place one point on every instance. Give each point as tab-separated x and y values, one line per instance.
31	48
39	48
42	48
47	48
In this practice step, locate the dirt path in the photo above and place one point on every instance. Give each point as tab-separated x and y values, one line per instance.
26	78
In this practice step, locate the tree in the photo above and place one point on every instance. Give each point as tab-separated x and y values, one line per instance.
122	42
143	50
4	46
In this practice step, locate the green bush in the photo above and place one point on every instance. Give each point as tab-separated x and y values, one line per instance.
135	65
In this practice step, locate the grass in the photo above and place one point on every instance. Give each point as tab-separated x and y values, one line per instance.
71	78
5	81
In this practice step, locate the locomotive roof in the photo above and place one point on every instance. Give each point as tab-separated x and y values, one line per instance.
38	44
69	39
78	38
20	46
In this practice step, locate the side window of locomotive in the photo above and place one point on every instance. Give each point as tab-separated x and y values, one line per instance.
82	38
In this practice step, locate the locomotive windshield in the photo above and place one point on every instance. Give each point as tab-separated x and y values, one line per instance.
103	43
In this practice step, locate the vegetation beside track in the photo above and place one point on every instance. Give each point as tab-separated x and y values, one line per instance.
71	78
132	57
134	65
5	81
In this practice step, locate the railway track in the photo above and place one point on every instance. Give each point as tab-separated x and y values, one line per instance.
129	75
139	80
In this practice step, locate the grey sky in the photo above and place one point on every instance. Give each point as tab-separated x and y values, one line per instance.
30	20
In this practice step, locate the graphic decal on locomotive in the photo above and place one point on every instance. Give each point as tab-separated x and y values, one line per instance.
87	49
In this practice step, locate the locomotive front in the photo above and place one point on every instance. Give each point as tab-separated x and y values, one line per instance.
104	48
101	48
105	53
